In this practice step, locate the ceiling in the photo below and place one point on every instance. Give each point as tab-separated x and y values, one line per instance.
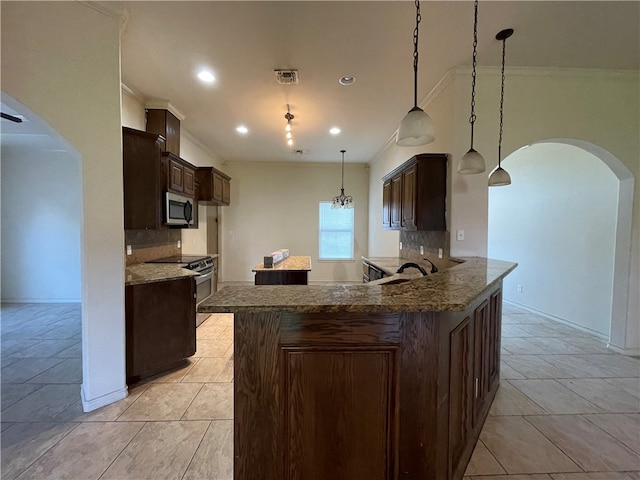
165	43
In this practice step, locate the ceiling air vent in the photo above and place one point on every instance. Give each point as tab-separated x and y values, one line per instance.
287	77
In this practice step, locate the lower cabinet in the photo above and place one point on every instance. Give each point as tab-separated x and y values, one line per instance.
160	326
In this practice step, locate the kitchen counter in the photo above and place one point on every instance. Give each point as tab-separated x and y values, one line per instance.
387	381
291	264
155	272
292	271
451	290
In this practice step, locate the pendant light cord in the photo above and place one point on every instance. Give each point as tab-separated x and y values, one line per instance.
504	47
342	183
472	118
415	55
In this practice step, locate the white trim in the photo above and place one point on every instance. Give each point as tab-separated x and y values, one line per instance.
95	403
599	335
464	72
632	352
132	93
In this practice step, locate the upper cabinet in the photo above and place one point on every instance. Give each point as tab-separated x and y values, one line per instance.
414	194
214	187
149	172
163	122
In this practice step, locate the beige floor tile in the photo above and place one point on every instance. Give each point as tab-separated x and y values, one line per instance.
587	445
161	450
214	458
85	453
589	344
74	351
520	448
604	395
618	365
45	348
23	443
209	331
43	405
482	462
579	366
634	475
175	375
590	476
554	397
108	413
162	401
508	373
22	370
511	401
625	428
11	393
539	476
533	366
67	371
514	330
629	385
212	348
213	402
210	370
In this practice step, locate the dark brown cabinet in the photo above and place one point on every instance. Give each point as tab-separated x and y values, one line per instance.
414	194
148	173
160	326
163	122
214	187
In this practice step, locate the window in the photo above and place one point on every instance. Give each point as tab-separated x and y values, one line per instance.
336	232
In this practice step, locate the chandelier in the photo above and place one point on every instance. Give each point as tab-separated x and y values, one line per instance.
289	135
342	200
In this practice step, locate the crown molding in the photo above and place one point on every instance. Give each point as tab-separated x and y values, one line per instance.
132	93
159	103
465	71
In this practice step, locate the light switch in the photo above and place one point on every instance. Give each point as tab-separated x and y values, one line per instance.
129	252
421	250
459	234
179	244
439	253
400	245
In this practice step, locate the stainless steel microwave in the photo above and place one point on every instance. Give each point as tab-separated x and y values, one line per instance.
178	210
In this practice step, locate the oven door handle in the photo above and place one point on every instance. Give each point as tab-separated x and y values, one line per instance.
204	278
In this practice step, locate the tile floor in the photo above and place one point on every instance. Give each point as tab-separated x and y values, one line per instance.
567	408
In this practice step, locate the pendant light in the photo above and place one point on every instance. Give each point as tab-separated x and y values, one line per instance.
288	116
342	200
416	127
472	162
499	176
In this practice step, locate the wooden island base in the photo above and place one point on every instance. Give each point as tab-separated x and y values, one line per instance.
292	271
364	396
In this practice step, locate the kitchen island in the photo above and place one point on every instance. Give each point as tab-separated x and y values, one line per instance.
292	271
364	382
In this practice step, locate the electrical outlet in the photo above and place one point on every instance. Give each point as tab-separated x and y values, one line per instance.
439	253
129	251
519	288
400	245
459	234
421	250
179	244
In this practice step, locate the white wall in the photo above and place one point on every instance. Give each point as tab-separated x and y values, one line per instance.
275	205
558	221
41	226
61	60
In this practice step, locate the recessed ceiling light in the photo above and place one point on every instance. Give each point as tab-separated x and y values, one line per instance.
242	129
347	80
206	76
334	131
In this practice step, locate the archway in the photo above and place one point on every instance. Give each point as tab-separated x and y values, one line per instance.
568	213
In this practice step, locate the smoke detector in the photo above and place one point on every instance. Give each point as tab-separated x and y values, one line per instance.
287	77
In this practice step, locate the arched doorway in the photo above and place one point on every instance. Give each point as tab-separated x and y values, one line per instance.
566	219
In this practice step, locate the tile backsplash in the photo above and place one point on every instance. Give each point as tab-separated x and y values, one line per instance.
431	241
151	244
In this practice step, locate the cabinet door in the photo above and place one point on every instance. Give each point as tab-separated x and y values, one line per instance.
226	191
480	361
176	172
396	201
409	198
217	187
494	334
460	396
386	204
189	181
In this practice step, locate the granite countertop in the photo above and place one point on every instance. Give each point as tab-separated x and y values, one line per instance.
155	272
291	264
451	290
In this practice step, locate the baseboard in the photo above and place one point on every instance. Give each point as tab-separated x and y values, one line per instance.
95	403
604	338
630	352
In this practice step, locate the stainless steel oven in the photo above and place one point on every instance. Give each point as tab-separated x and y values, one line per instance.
205	268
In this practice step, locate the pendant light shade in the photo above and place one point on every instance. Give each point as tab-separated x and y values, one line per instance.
416	127
472	162
499	177
342	200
